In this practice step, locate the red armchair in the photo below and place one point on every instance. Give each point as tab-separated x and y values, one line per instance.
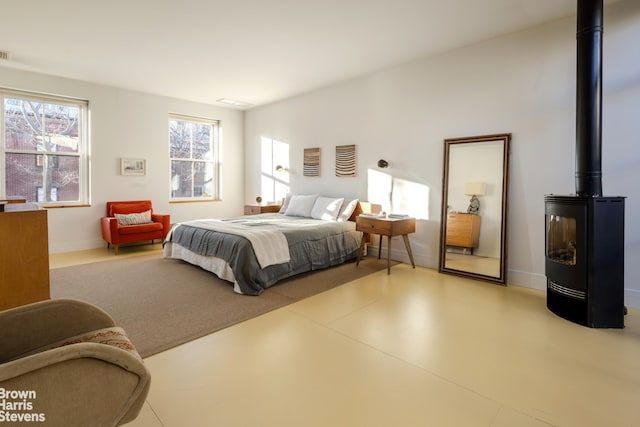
133	221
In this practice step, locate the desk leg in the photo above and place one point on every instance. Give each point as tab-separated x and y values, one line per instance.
408	246
388	254
380	246
363	242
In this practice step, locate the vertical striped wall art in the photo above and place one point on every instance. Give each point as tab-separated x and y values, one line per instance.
311	162
345	160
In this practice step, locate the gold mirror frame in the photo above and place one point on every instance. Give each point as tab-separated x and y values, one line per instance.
474	243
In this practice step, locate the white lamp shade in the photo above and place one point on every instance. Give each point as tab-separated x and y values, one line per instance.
475	188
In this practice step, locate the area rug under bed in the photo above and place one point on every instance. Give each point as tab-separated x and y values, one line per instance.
162	303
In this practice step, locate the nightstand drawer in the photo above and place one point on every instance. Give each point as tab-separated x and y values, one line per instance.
386	226
373	225
258	209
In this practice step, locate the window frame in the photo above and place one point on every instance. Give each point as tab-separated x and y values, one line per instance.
214	161
82	154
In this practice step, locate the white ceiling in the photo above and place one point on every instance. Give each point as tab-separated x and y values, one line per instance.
257	51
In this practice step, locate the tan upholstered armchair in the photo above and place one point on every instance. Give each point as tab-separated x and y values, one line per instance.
65	362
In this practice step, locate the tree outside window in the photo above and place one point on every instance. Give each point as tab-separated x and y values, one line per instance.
44	149
193	146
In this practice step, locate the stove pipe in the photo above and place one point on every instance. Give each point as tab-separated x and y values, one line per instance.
589	99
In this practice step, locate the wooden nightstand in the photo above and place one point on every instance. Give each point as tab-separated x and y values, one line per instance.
463	230
386	227
259	209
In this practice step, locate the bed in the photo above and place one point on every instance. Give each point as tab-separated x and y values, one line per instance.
254	252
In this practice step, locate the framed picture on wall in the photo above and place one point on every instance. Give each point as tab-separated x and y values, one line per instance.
311	162
133	166
346	158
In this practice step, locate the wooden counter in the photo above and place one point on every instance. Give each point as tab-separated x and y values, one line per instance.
24	258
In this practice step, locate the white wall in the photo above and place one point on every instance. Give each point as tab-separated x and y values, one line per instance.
132	124
523	83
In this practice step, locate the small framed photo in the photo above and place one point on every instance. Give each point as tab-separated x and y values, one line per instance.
136	167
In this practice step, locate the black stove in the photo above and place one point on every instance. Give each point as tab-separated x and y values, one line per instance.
584	233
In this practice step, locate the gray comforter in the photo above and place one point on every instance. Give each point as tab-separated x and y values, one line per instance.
313	244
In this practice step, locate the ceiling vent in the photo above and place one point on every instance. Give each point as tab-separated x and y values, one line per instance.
5	55
234	102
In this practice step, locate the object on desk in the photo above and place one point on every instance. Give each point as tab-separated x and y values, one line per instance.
14	207
11	200
373	215
398	215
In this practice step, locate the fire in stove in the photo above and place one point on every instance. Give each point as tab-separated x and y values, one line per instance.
561	239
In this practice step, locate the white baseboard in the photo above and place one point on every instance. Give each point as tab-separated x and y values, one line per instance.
76	246
527	279
399	253
632	298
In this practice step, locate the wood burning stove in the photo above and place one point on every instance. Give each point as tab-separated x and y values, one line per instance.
585	259
584	233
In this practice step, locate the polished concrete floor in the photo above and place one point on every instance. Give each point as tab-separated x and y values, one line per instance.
414	348
66	259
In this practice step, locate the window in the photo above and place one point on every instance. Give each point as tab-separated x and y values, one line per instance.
44	149
193	148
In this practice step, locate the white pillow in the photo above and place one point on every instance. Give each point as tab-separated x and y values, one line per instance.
285	204
134	218
326	208
347	210
301	205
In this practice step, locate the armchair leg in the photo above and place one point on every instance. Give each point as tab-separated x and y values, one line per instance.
115	248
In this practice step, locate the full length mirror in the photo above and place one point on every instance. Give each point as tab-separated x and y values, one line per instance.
473	237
